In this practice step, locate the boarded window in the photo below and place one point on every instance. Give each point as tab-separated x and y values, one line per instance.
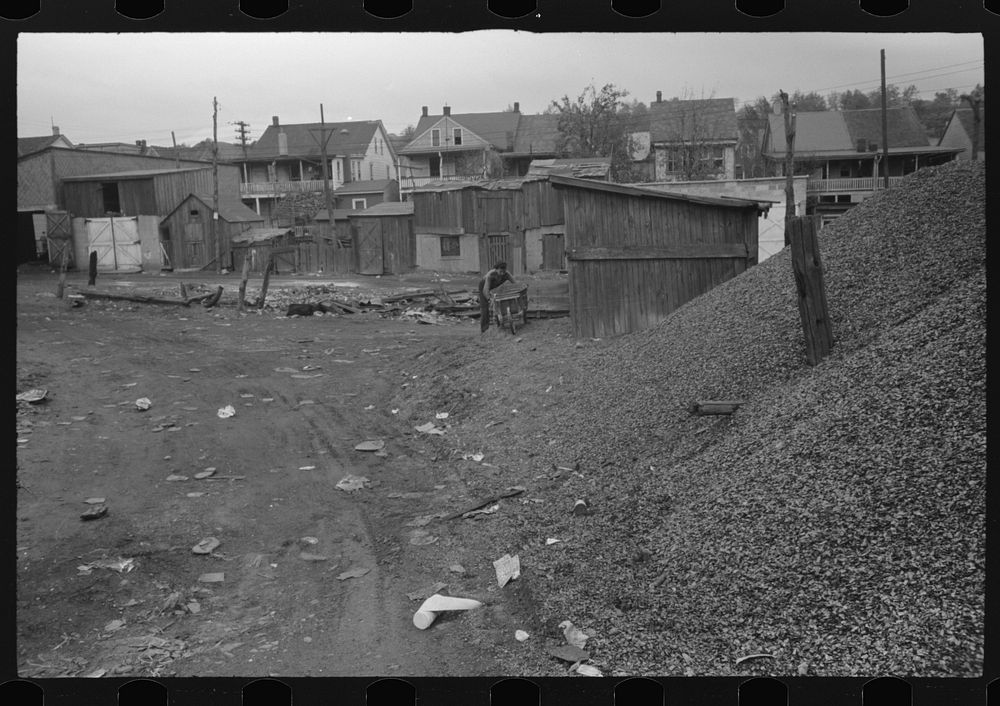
451	246
436	138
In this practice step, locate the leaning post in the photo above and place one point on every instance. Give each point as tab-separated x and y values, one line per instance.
808	269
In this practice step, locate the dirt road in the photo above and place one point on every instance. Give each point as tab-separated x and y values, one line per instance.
305	392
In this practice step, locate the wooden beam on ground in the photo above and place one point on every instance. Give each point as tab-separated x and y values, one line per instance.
484	501
214	299
703	407
134	298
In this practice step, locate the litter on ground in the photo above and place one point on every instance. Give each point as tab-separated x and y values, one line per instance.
507	567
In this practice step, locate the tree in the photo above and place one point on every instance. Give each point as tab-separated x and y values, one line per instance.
693	148
806	102
598	123
934	114
751	121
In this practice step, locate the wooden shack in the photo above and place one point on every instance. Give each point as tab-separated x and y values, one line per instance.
635	255
383	237
332	248
186	232
469	226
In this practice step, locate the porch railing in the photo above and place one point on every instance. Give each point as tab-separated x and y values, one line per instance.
279	188
408	183
814	186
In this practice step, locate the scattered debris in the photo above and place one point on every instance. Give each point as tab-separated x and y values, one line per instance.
485	511
354	573
216	577
120	565
307	468
581	507
424	593
703	407
309	540
507	567
142	404
175	477
205	546
477	457
510	492
574	636
429	609
441	415
32	396
207	473
114	625
351	482
421	537
521	635
430	428
227	412
552	540
754	656
94	501
308	556
95	512
456	569
587	670
370	445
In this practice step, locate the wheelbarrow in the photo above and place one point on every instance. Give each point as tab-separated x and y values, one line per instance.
509	305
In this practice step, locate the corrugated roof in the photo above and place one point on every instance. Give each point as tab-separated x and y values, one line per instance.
590	184
260	235
231	208
348	138
387	208
701	119
375	186
134	174
491	185
492	127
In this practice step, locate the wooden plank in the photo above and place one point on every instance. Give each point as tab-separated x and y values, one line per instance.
704	407
439	230
674	252
808	270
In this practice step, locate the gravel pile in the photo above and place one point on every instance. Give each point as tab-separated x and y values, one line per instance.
835	522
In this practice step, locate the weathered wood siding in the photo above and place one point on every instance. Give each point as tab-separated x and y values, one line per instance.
398	241
635	259
156	195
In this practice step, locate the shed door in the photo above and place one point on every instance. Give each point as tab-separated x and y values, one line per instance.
553	252
116	242
59	234
369	246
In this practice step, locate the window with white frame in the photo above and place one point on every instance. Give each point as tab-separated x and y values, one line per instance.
435	137
359	204
451	246
457	133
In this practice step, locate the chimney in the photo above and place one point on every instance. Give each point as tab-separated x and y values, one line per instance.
55	131
446	110
659	96
274	120
862	144
282	143
517	107
424	109
141	144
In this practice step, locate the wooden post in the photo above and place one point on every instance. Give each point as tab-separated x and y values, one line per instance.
267	279
885	129
184	291
241	305
92	270
808	270
974	100
787	111
62	272
215	185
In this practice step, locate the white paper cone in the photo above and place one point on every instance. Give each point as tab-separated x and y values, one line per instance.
423	618
429	609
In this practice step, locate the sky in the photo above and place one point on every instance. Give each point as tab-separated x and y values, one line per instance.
146	86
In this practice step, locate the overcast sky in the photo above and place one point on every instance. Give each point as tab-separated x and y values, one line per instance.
127	87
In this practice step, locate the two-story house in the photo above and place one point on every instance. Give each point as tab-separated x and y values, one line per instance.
693	140
471	146
960	130
288	159
841	151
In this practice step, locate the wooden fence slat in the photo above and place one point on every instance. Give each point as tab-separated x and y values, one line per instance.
679	251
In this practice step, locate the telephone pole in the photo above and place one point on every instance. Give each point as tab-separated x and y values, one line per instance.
975	101
215	184
324	138
885	129
242	134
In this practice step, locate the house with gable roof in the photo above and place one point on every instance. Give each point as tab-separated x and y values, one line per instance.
693	139
471	146
959	132
841	151
288	159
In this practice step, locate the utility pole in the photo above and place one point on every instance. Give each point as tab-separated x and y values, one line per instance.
975	101
885	129
177	155
242	132
215	184
787	111
324	138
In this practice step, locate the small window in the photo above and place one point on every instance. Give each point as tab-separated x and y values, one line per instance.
359	204
450	246
109	194
458	135
371	171
436	138
194	214
843	198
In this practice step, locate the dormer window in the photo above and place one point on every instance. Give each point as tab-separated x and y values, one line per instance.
457	132
435	138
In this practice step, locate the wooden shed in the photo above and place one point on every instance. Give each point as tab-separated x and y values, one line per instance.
186	232
469	226
383	237
635	255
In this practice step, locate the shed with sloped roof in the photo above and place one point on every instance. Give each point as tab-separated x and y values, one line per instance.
186	232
